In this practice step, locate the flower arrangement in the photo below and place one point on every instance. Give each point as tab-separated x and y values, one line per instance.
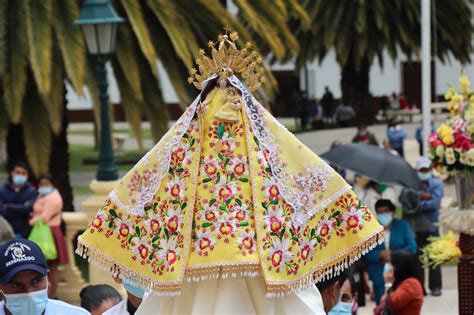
442	250
451	145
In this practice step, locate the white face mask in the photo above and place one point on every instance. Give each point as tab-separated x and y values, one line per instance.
32	303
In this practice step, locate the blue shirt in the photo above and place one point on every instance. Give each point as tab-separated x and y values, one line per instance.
395	136
430	208
16	206
401	237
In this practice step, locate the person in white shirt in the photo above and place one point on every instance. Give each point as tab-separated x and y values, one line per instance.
129	305
99	298
24	282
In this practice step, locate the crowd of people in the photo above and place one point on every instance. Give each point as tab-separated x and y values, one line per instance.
392	274
318	114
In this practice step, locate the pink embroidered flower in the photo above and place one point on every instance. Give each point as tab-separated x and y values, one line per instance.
353	217
239	167
324	226
98	221
204	240
172	219
209	166
175	187
226	190
153	223
247	240
141	248
209	212
279	253
271	188
123	227
274	219
178	155
307	249
169	251
226	224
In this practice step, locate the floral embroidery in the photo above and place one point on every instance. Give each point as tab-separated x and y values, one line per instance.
293	237
223	175
154	238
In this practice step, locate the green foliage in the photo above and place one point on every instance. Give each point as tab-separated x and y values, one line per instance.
41	47
360	30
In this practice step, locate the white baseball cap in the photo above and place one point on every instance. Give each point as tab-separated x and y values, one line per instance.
423	162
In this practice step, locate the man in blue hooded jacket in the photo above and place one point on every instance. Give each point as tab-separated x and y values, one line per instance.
16	200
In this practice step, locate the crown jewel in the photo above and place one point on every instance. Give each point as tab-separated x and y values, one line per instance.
226	59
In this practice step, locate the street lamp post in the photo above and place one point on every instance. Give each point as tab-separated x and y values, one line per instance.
98	21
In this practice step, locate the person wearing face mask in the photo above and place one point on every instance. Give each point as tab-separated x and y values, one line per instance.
133	301
24	283
364	136
396	135
405	296
48	207
16	200
331	293
397	235
428	210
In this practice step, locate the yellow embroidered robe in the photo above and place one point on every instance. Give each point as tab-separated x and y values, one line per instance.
229	191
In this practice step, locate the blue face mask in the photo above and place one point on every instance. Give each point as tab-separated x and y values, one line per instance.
19	180
33	303
45	190
341	308
385	218
424	176
133	288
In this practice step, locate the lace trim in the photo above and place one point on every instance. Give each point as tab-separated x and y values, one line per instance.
326	270
223	270
331	267
109	264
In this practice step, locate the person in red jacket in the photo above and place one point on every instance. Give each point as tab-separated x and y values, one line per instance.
405	297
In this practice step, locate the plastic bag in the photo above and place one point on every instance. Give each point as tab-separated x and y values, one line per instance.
41	234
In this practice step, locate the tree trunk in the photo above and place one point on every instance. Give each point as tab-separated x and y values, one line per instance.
355	90
59	162
15	146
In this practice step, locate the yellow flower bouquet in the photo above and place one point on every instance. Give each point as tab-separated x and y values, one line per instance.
452	144
441	250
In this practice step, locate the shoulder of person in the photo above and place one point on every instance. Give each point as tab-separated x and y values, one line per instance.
435	182
400	223
412	285
56	307
118	309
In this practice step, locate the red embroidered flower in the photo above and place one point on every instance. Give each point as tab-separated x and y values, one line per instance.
154	225
143	250
204	243
211	169
179	154
173	224
240	215
275	224
239	169
97	222
226	228
124	230
210	216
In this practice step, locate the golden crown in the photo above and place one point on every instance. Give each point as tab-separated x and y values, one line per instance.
226	59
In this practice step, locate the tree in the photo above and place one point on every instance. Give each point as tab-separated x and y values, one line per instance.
40	48
360	31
